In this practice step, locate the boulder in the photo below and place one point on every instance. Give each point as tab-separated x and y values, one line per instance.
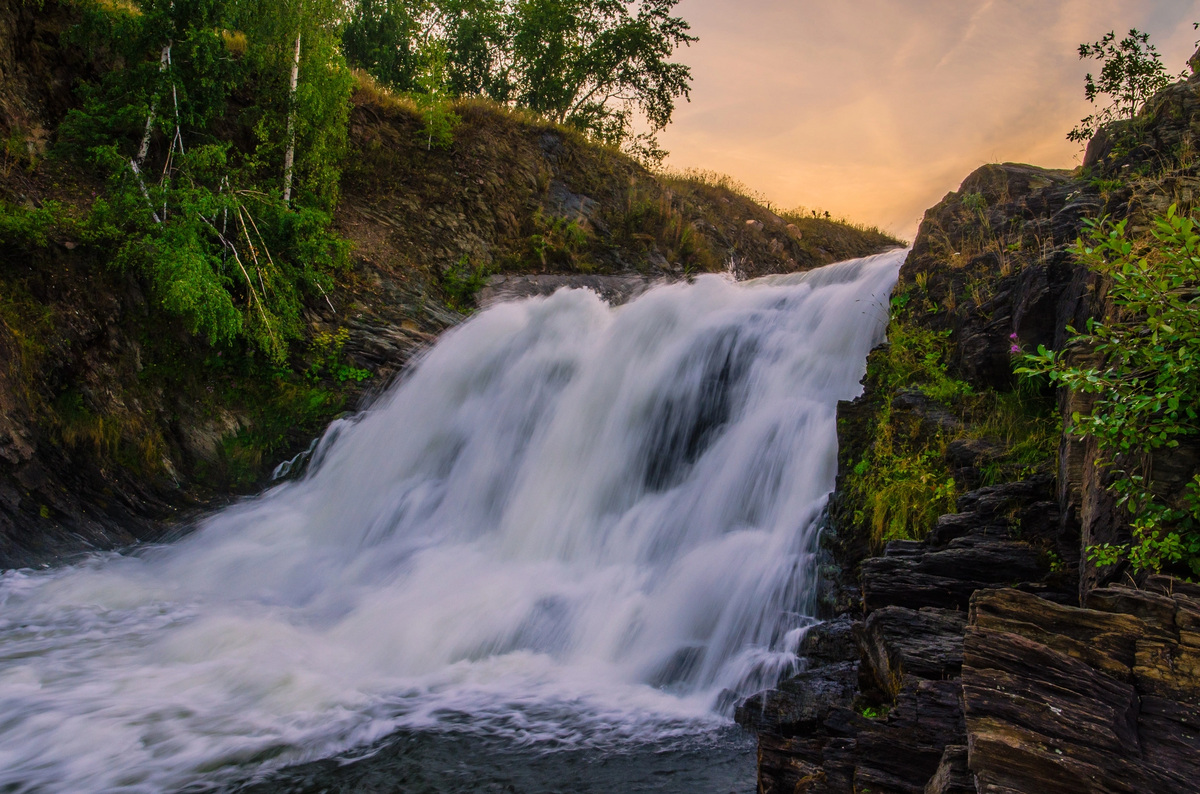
904	751
925	643
801	702
1078	700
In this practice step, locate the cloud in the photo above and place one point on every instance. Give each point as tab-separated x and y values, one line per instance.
875	109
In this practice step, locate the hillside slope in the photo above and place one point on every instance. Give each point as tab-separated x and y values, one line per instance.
116	423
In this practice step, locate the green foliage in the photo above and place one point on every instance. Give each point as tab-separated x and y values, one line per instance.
916	357
327	356
1131	73
975	202
591	63
283	410
556	240
1148	385
321	108
902	484
383	38
595	65
193	199
28	227
1025	424
460	282
434	100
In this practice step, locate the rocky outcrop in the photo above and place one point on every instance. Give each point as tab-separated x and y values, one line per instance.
1021	695
904	729
993	655
980	546
1103	699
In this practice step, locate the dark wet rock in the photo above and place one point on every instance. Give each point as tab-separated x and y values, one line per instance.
952	775
1036	717
904	548
996	500
1156	610
902	752
946	578
925	643
801	702
830	642
966	551
1101	640
829	652
813	765
1082	700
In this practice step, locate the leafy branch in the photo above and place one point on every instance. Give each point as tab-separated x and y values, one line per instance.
1131	72
1148	385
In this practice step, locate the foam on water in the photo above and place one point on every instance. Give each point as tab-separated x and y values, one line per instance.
571	525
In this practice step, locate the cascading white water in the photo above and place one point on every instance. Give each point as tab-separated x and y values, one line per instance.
570	524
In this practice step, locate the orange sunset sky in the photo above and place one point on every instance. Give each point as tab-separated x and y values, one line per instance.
875	109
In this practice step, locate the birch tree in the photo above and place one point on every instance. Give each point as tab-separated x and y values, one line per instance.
289	158
293	49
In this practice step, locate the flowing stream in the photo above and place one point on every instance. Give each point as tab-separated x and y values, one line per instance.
572	532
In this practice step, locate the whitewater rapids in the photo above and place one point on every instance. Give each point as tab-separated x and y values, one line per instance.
570	525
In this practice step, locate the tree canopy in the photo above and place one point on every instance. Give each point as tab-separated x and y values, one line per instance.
597	65
202	144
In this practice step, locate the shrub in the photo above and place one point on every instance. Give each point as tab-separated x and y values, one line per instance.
1131	73
1148	385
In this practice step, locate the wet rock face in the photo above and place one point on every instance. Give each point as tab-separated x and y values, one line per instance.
975	548
904	729
1083	700
803	702
1066	680
1020	695
896	641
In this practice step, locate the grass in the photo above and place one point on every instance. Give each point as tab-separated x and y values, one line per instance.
902	482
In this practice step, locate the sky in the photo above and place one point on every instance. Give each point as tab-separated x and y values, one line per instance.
875	109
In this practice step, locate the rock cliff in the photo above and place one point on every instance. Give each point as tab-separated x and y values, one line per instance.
992	655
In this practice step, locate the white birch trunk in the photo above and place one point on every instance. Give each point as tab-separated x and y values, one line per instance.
144	149
290	157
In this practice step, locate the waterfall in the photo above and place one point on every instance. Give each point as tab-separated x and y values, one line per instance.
569	524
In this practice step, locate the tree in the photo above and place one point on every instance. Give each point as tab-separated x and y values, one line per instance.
591	64
194	201
384	38
1131	73
304	87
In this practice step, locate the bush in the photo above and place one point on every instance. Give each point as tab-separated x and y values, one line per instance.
1131	73
1148	386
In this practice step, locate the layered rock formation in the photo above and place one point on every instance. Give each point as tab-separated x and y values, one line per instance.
993	656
